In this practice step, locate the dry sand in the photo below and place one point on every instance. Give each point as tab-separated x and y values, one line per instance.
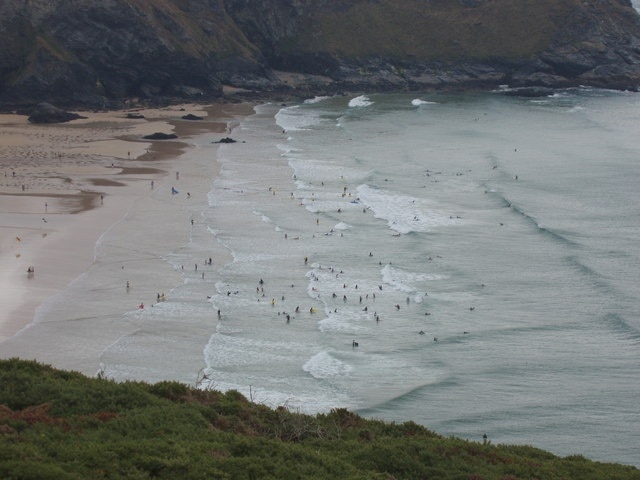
88	205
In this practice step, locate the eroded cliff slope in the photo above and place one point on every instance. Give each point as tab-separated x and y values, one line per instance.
100	53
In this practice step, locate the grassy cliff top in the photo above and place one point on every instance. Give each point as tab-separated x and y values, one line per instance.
62	425
449	30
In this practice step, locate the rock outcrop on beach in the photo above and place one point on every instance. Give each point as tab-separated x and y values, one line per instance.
160	136
101	54
47	113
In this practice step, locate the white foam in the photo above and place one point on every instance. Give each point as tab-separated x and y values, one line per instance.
223	351
297	119
404	214
416	102
324	365
309	402
318	206
326	171
317	99
323	281
256	257
344	321
263	217
405	281
361	101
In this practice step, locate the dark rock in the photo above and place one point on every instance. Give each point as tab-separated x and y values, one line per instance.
136	116
160	136
191	116
226	140
101	54
47	113
529	92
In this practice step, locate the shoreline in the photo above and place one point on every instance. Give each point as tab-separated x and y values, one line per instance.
60	223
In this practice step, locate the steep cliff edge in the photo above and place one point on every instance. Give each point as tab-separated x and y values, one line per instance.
418	43
93	53
81	52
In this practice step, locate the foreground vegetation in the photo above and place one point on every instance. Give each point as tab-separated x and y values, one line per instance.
62	425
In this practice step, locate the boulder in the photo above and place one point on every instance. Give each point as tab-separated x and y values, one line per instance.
226	140
191	116
529	92
47	113
160	136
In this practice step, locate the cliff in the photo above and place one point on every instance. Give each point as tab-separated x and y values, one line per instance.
98	54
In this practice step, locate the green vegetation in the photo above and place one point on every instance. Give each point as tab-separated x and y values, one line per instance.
436	30
62	425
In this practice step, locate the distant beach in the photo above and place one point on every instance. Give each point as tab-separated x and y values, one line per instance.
62	187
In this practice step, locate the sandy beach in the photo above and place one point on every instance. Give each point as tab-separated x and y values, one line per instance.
88	207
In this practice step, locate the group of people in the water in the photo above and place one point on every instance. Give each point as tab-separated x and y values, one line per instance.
362	297
315	277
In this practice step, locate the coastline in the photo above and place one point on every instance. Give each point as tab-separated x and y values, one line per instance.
65	190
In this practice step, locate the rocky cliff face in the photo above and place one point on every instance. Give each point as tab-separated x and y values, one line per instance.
82	52
87	52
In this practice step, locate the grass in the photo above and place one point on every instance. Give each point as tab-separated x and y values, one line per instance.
436	30
63	425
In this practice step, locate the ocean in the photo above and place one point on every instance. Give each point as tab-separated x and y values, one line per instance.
466	261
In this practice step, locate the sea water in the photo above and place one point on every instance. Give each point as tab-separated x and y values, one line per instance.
469	262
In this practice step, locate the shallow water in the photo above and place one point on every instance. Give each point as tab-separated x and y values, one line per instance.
480	249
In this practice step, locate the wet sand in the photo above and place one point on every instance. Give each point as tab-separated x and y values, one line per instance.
88	205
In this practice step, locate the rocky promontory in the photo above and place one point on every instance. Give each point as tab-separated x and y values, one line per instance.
108	53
